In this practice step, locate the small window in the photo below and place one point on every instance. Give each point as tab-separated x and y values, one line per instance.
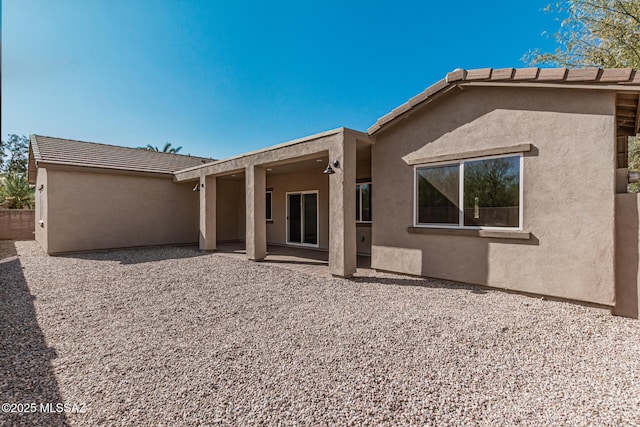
363	202
474	193
268	209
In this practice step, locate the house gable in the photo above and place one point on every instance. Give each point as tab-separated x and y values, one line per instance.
619	79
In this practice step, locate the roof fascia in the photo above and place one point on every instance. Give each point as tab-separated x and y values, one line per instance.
32	168
610	87
265	150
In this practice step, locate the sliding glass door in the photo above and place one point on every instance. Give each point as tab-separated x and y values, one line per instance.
302	218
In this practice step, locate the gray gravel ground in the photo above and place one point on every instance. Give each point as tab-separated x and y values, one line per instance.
171	336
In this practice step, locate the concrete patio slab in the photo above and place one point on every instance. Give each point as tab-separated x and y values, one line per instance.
305	260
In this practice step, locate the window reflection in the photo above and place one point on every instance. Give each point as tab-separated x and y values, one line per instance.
492	192
438	195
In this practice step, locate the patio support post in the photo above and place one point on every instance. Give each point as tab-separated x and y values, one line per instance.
342	208
256	233
207	212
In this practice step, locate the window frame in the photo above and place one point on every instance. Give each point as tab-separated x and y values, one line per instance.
360	221
460	225
271	203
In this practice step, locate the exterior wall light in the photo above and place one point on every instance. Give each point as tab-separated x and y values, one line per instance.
329	170
197	187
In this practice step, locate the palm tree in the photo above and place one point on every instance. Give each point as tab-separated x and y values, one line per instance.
15	192
167	148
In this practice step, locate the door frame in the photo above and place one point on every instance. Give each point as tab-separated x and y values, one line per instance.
302	193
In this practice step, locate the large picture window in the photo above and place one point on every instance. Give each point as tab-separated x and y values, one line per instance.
363	202
474	193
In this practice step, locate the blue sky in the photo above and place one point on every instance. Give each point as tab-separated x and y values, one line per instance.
224	77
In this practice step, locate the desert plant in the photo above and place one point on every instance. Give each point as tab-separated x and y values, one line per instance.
15	192
167	148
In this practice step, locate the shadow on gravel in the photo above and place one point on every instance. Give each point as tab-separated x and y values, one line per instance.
7	250
139	255
26	374
424	283
294	262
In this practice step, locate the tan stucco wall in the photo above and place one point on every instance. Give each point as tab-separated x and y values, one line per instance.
41	198
230	208
363	234
99	210
292	182
627	255
568	191
363	163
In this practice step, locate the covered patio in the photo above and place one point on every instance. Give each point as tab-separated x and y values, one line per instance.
305	209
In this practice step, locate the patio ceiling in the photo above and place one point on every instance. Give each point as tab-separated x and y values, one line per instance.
314	164
627	123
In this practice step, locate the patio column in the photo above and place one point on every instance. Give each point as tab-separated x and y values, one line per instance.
342	208
256	233
207	213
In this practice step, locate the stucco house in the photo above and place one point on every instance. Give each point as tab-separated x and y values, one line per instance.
96	196
508	178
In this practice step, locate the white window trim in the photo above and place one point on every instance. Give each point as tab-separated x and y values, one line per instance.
286	215
460	224
270	210
360	221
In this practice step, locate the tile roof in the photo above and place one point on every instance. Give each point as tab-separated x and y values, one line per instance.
70	152
557	76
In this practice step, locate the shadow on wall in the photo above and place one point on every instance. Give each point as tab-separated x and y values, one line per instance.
627	255
472	262
458	259
26	374
139	255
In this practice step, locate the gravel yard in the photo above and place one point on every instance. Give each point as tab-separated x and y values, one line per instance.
172	336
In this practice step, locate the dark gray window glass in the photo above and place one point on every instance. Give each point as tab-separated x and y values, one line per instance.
439	195
365	190
363	202
268	210
311	218
295	218
358	212
492	192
